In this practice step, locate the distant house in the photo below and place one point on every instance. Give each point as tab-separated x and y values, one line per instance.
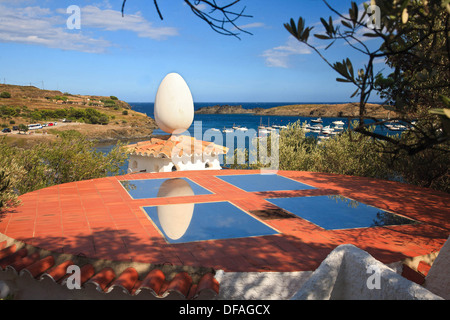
174	153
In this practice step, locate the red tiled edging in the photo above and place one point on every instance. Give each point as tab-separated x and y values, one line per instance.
98	219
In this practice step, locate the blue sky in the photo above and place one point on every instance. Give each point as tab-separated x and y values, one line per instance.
129	56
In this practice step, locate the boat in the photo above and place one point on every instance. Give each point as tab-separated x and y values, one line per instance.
242	129
227	130
318	120
338	123
214	129
397	127
315	129
327	130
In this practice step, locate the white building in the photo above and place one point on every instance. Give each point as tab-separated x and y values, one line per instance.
174	153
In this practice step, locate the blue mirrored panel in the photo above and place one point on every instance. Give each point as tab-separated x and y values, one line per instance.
338	212
264	182
187	222
157	188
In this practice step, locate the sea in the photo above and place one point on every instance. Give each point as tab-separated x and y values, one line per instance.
221	122
250	121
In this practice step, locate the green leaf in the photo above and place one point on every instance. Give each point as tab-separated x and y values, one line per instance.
370	35
330	45
354	93
445	100
341	69
305	35
355	10
325	25
345	23
350	67
322	36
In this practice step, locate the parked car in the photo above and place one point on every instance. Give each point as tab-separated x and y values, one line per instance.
6	130
15	128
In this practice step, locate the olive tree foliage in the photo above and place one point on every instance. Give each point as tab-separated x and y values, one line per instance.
349	153
220	17
69	158
413	41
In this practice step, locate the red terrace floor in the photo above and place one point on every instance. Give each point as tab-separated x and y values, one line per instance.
97	218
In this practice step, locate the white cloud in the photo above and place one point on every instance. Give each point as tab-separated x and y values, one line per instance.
35	26
112	20
252	25
279	56
42	26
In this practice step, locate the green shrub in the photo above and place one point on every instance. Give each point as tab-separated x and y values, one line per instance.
5	95
6	111
351	153
109	103
71	158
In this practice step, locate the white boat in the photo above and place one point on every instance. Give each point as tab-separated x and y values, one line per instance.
214	129
227	130
398	127
338	123
327	130
318	120
316	128
242	129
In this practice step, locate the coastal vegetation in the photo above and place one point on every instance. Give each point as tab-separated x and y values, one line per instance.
411	37
413	41
69	158
349	110
35	159
96	117
87	115
350	153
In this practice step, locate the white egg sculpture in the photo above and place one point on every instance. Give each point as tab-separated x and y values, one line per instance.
175	218
174	106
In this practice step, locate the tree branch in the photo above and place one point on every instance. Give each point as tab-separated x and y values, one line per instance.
224	25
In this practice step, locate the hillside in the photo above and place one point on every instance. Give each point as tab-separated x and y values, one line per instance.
97	117
224	109
302	110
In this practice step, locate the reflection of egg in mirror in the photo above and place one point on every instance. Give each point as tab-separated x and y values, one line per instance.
175	218
174	106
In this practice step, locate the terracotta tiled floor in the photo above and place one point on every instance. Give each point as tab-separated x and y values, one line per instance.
99	219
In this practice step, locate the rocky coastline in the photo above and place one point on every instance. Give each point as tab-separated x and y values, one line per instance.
302	110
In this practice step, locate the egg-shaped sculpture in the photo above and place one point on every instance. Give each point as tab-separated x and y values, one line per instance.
175	218
174	106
